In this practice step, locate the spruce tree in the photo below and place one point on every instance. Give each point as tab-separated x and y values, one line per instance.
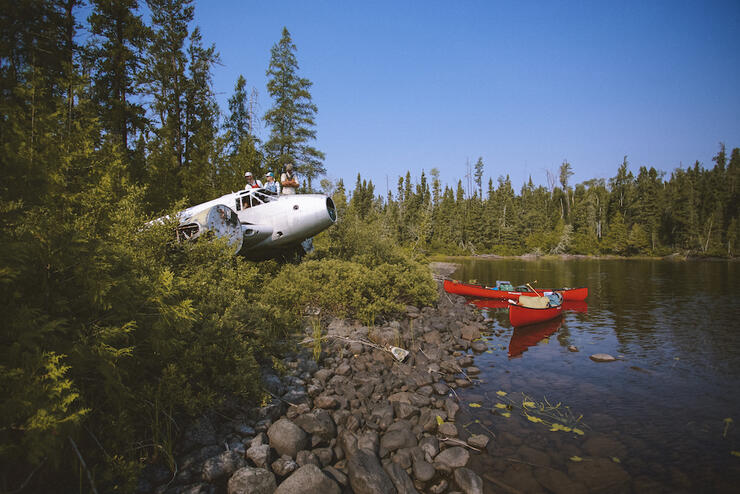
166	77
116	56
292	117
241	141
479	176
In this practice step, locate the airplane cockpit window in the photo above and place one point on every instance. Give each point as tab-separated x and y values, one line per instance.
262	197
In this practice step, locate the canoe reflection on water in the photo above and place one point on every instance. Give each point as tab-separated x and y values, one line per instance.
569	305
527	336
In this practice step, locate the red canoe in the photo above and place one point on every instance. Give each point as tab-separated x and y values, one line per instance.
523	338
536	310
480	291
495	303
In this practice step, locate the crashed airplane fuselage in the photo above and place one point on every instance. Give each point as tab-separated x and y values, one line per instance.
259	224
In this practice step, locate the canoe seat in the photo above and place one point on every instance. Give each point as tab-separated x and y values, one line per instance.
534	302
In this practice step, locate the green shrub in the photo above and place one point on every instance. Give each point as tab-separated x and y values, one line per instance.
350	289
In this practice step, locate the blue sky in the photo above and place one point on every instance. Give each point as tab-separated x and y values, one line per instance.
415	85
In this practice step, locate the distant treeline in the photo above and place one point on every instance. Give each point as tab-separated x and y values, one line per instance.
694	211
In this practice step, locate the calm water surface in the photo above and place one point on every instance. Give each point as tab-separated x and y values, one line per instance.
665	416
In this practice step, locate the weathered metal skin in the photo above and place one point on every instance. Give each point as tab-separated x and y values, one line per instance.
219	221
258	224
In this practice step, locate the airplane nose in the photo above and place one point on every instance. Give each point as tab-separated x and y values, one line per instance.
331	209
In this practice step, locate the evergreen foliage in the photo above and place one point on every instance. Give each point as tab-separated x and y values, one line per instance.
292	116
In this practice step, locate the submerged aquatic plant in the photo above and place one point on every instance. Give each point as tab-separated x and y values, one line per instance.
557	417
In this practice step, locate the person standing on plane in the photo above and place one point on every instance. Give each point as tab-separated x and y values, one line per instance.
251	182
271	185
288	180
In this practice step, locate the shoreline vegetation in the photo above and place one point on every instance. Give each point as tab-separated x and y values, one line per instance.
442	258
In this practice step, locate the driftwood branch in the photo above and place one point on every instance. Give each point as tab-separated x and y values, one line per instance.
461	443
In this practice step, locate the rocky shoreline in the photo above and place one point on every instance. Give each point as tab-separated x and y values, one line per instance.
358	421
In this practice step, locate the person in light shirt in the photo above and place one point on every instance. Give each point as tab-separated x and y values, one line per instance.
288	180
251	182
271	185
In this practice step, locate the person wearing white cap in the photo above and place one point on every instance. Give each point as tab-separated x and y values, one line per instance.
271	185
251	182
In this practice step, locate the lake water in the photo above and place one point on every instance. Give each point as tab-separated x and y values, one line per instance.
665	417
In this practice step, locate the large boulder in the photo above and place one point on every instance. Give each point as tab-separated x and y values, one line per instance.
308	479
451	458
366	475
222	465
248	480
319	423
400	479
287	438
468	481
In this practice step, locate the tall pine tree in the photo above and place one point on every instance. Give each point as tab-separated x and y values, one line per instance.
292	117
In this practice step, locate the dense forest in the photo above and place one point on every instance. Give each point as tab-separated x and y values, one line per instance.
114	334
693	212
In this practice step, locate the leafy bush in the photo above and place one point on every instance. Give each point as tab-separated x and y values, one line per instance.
350	289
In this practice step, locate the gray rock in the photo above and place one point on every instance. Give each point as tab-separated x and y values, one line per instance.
200	433
430	446
323	375
306	457
402	457
599	474
326	401
343	370
336	475
452	408
287	438
559	483
248	480
284	466
260	455
400	479
347	442
439	488
382	415
602	357
369	441
366	475
572	348
244	430
405	410
440	388
478	441
470	332
325	455
399	435
308	480
423	470
273	384
478	346
448	429
295	396
222	466
468	481
451	458
319	423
